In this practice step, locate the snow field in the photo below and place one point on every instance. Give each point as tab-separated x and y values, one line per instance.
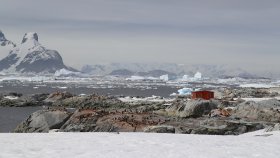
138	145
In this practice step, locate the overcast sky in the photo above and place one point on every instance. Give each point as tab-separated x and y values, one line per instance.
243	33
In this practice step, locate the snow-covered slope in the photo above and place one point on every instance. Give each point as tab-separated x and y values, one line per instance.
139	145
31	56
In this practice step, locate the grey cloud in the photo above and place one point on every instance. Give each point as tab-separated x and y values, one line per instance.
190	31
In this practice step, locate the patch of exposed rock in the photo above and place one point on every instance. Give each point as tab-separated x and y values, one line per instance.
90	101
58	96
159	129
216	126
43	121
246	93
17	100
275	127
91	120
191	108
268	110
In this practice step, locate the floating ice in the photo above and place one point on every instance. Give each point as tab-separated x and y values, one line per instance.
185	91
164	77
64	72
257	85
198	75
135	78
11	97
185	77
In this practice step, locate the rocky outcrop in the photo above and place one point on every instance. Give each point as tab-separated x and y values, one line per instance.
246	93
191	108
58	96
268	110
43	121
97	113
216	126
89	101
275	127
91	120
221	112
81	121
17	100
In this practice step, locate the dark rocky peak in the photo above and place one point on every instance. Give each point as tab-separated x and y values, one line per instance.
2	36
31	36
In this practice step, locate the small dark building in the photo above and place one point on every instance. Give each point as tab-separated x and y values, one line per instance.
207	95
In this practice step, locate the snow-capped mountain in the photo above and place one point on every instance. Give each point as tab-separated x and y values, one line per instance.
5	46
31	57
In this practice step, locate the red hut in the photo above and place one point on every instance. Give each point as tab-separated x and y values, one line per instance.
207	95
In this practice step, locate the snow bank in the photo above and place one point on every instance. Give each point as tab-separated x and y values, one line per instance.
138	145
257	85
258	99
146	99
11	97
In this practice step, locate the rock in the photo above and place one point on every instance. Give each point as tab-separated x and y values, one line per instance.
43	121
268	110
90	101
276	127
159	129
19	102
90	120
215	126
273	94
81	121
15	94
183	130
94	120
9	102
191	108
246	93
58	96
221	112
239	100
39	97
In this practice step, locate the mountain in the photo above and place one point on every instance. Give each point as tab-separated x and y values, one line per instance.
5	45
95	70
105	69
122	72
157	73
31	57
172	69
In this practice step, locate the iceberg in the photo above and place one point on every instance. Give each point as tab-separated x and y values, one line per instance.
185	91
135	78
65	72
164	77
198	75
